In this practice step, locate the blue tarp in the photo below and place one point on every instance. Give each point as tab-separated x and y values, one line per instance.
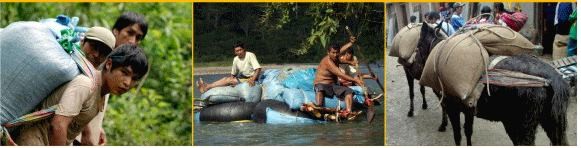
275	117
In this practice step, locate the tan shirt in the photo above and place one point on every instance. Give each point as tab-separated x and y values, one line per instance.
245	66
96	124
79	99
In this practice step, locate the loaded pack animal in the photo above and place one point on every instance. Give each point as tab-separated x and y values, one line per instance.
519	109
413	70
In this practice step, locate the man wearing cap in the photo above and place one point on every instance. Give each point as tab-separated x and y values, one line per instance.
78	101
457	20
129	28
97	44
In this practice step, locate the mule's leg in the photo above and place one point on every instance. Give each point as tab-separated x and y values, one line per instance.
468	124
423	91
555	130
408	75
455	119
444	122
521	133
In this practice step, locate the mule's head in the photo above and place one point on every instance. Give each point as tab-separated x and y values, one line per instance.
430	35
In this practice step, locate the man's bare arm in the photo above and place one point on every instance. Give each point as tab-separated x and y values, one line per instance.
86	136
344	48
335	70
254	77
58	129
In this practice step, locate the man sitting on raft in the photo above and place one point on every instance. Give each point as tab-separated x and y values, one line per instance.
245	68
326	85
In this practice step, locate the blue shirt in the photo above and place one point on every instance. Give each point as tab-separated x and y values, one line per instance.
457	21
448	28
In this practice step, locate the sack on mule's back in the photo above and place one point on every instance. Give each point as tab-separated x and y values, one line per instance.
500	40
459	63
429	77
406	41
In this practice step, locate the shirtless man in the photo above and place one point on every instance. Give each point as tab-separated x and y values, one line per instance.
326	79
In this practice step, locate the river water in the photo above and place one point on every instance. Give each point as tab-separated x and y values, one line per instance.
351	133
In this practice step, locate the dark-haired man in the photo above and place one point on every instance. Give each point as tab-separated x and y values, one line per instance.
326	78
130	28
245	68
457	19
97	44
80	100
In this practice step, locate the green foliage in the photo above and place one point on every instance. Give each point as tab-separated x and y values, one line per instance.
160	114
285	32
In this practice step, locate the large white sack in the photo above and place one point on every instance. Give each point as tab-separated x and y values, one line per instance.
32	65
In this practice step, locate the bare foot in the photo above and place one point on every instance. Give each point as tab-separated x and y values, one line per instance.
349	115
202	86
310	108
201	81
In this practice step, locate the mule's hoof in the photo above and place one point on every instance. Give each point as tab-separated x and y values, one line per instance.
442	129
410	113
424	106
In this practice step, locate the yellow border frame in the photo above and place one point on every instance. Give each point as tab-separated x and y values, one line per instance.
192	76
305	1
266	1
385	74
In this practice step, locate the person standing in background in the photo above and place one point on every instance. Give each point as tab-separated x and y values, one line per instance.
562	28
572	46
457	20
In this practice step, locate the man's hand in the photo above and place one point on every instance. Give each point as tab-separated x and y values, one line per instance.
352	39
102	138
251	81
254	77
359	82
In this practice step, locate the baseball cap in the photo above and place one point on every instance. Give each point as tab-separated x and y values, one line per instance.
458	5
102	35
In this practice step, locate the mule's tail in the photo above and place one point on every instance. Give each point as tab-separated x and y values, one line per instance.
558	110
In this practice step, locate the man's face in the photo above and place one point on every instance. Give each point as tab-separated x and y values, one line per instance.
347	56
131	34
459	9
119	80
240	52
333	54
92	54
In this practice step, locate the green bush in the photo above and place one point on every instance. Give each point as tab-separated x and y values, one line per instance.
160	114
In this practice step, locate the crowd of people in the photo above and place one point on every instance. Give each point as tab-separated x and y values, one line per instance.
452	20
